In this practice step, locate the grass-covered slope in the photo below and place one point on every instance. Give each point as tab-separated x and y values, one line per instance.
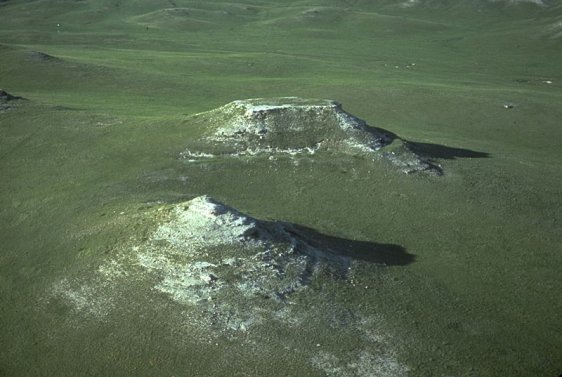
89	169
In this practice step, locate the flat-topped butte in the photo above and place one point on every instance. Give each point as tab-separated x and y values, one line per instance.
294	123
297	126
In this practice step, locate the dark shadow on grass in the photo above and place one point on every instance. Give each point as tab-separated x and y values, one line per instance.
372	252
7	97
39	56
443	152
428	150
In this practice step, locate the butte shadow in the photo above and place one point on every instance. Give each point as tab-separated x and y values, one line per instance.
371	252
406	153
204	250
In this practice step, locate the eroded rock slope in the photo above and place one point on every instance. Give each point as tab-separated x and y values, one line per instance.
218	275
206	250
295	126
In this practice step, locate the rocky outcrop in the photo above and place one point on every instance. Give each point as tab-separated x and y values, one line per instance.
206	250
209	256
218	276
295	126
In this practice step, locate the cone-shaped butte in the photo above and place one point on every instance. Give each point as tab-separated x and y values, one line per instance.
205	250
297	126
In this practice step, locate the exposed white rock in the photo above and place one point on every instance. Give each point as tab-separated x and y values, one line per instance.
365	364
292	123
206	250
221	273
202	221
294	126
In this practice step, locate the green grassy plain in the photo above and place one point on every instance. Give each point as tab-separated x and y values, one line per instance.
110	93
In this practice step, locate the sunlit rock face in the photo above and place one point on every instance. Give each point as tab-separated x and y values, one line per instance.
226	270
206	250
294	123
216	275
274	127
